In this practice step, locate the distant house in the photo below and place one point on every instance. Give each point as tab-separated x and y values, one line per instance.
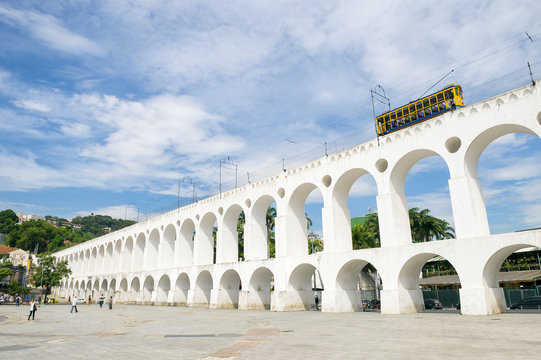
19	262
22	217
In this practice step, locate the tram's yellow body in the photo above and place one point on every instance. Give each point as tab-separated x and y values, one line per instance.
420	110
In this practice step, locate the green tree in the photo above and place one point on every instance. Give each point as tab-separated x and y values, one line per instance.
49	272
270	221
240	231
8	220
5	270
13	288
425	227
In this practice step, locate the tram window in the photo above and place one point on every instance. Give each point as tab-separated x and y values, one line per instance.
419	105
412	108
448	94
399	113
393	116
440	97
380	120
406	111
386	118
432	100
425	103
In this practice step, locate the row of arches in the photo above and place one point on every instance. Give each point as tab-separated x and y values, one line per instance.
269	287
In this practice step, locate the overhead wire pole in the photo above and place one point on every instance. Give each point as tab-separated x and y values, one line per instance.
188	180
374	94
228	161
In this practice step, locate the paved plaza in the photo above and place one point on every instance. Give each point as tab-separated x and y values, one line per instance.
156	332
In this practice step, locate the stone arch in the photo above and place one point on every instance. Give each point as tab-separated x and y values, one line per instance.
162	291
296	229
479	144
104	285
202	289
182	286
139	252
229	290
112	286
227	245
117	255
135	284
300	282
100	261
342	231
148	289
258	246
408	280
204	250
124	285
351	285
167	247
127	255
259	290
93	261
494	263
400	221
186	243
109	261
151	250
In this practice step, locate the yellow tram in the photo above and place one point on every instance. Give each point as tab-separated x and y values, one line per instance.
420	110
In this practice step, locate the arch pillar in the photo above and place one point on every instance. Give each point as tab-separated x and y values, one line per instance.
469	209
336	228
401	301
482	301
224	299
393	218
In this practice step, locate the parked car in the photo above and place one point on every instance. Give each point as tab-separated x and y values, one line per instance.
433	304
532	302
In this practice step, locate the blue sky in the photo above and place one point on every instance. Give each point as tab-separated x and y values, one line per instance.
106	105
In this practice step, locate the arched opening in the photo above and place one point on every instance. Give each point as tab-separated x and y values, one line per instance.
93	261
135	287
307	284
425	206
205	240
259	290
95	290
358	286
432	283
162	293
103	288
228	296
123	289
151	250
186	243
203	287
148	288
262	244
182	286
117	257
230	244
112	289
355	211
304	225
87	262
127	254
509	171
139	252
110	262
515	272
100	260
168	246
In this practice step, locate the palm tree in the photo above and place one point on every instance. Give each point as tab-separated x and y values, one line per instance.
425	227
270	220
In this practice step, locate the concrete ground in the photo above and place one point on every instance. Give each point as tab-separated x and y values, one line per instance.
155	332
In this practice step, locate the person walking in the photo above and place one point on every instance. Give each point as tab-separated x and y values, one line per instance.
17	300
110	303
33	308
101	300
89	300
74	304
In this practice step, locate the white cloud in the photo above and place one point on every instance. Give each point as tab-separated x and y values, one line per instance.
32	105
48	30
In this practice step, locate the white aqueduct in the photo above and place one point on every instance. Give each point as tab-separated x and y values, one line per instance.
158	261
